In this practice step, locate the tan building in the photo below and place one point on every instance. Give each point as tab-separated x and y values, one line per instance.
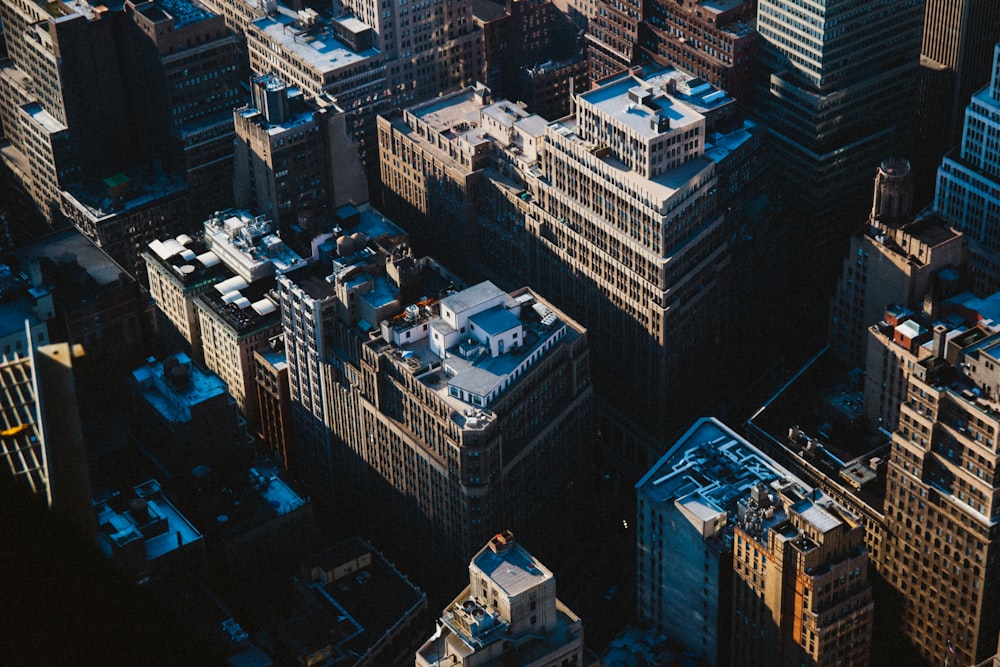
942	505
508	614
217	292
405	385
274	403
802	593
632	213
893	260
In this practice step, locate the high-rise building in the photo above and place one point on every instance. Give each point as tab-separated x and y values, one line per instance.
462	400
967	184
41	439
942	505
127	210
958	41
532	54
743	563
637	213
614	32
369	60
508	614
66	107
274	401
893	261
289	155
184	60
835	86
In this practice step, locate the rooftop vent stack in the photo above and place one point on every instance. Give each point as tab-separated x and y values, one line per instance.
270	98
940	343
893	190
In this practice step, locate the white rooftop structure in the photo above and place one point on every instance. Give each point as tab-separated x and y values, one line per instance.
472	345
245	244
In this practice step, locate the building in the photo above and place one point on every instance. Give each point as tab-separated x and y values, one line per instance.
763	569
186	59
97	303
217	293
714	41
145	536
353	607
894	260
508	614
124	212
532	54
837	98
186	414
614	36
25	313
957	48
274	406
65	105
280	163
427	52
406	386
941	504
254	523
967	180
41	439
634	213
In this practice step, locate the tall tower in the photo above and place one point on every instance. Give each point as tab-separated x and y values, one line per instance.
834	83
942	506
968	183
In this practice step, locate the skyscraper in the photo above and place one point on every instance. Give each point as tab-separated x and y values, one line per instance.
835	85
451	409
644	213
967	192
943	502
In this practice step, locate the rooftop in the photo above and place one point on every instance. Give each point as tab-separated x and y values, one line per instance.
142	187
317	46
708	472
513	569
360	597
187	260
70	244
172	387
245	244
184	12
473	344
146	515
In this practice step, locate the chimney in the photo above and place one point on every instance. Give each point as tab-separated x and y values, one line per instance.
940	344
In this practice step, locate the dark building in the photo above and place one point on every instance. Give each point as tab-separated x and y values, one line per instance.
183	59
837	98
533	54
97	303
711	40
614	34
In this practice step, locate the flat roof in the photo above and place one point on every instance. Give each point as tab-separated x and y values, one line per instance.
317	46
513	570
71	242
472	296
185	12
